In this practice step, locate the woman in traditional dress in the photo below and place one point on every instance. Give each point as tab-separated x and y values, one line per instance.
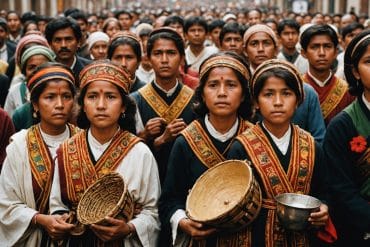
26	177
346	146
106	114
284	157
125	50
223	104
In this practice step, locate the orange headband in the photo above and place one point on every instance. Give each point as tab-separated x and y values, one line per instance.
49	73
103	71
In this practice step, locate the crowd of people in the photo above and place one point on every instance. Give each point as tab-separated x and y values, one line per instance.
160	99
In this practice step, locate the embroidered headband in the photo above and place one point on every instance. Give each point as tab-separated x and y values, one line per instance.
276	63
47	74
224	61
105	71
358	43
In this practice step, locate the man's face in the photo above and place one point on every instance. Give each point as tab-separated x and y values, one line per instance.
232	42
64	44
165	59
254	17
350	36
259	48
196	35
320	52
14	23
289	37
125	21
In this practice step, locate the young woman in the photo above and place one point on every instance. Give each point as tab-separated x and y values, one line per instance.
107	114
346	146
222	102
26	176
125	50
33	57
111	26
284	157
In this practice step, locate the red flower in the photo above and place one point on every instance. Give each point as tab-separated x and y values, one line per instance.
358	144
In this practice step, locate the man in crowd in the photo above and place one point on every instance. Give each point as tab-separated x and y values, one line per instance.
196	32
164	105
15	26
63	35
260	45
288	31
320	47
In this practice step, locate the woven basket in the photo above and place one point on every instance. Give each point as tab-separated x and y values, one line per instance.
108	196
225	196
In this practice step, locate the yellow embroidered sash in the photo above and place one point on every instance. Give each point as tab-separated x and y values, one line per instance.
77	170
169	113
208	154
334	97
41	164
202	145
276	181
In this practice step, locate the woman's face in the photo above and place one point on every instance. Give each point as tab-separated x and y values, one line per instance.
125	56
363	72
99	50
31	27
112	28
103	105
33	62
54	105
222	93
276	103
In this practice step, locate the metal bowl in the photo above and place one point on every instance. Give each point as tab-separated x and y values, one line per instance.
293	210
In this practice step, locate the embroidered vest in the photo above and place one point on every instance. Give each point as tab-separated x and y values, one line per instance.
335	95
208	154
167	112
202	145
42	166
76	169
276	181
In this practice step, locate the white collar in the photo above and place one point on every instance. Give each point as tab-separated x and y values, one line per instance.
283	142
95	146
170	92
367	103
217	135
53	141
317	81
74	62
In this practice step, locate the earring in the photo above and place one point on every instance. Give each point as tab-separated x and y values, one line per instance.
34	114
123	115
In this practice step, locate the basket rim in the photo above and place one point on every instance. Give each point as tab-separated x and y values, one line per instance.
245	162
114	211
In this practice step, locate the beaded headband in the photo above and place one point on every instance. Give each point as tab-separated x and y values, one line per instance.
105	72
